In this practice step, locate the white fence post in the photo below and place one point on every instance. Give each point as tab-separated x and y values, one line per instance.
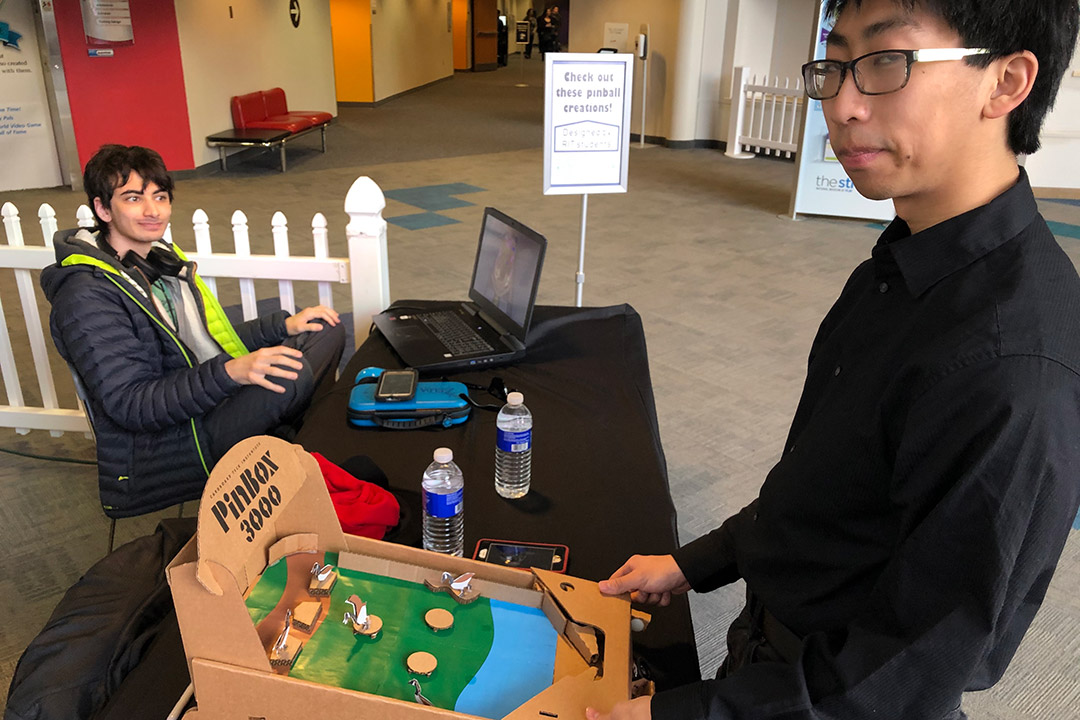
200	223
280	231
320	236
47	220
13	230
368	265
23	259
243	249
84	218
32	318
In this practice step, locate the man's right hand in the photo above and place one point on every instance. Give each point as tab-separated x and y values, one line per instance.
650	579
256	368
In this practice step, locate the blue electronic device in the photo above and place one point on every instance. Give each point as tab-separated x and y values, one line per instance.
434	403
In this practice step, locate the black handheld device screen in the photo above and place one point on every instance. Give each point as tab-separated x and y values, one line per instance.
522	555
396	385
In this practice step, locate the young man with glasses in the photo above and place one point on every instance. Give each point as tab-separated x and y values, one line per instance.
899	549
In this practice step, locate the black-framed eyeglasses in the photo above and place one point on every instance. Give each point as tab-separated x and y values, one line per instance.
876	73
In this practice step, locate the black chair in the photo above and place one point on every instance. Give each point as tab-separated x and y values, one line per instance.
84	404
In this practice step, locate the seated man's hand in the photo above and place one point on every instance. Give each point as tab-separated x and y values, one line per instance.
255	368
650	579
636	709
304	321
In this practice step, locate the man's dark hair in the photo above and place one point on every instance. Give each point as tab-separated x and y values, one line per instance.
111	167
1045	27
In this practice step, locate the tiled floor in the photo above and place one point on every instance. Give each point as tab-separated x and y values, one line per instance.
730	292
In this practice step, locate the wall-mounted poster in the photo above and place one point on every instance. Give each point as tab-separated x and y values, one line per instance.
28	156
9	36
617	35
107	22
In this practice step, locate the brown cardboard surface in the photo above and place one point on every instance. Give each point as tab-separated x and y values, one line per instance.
378	550
215	626
229	664
412	572
226	692
301	542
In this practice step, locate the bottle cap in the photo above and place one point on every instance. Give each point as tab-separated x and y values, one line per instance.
443	455
515	398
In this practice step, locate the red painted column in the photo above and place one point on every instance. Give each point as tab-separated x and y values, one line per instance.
136	97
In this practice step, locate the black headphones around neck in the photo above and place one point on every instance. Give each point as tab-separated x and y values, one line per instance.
157	262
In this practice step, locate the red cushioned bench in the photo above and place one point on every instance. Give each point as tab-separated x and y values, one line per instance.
263	119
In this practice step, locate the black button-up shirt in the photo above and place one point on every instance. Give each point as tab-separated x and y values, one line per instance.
930	479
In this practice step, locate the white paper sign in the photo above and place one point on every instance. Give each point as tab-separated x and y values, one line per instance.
587	122
616	35
28	156
821	185
107	22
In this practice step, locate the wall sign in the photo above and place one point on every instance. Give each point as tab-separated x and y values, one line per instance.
294	12
107	22
28	156
8	37
616	36
587	122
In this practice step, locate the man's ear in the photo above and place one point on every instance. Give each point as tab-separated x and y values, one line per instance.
102	211
1014	75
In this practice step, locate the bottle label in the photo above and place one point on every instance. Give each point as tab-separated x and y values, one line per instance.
443	506
509	441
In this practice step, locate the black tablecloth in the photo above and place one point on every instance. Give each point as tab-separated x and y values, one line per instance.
599	480
599	486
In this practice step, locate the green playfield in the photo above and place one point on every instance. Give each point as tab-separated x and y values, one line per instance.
334	656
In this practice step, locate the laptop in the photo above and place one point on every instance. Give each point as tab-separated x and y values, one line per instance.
488	330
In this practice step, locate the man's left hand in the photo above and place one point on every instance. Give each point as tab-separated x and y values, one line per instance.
303	321
636	709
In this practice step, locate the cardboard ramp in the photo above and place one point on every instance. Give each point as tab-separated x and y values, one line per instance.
266	500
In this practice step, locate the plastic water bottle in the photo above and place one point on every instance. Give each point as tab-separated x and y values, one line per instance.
444	507
513	448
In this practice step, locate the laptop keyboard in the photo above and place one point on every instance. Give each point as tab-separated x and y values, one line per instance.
454	333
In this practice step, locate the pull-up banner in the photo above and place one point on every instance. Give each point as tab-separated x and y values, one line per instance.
587	122
28	156
821	185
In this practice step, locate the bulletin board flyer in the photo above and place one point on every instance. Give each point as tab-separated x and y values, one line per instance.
587	122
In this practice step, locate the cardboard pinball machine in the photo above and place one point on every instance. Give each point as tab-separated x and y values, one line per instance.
284	616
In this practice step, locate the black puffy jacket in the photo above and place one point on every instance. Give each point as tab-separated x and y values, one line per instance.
147	391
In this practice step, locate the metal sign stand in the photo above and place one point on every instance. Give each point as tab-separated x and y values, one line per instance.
580	278
522	83
521	49
644	94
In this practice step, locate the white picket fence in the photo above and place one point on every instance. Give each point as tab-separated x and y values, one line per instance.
764	118
365	269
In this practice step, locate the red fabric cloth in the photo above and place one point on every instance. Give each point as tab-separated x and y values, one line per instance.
363	508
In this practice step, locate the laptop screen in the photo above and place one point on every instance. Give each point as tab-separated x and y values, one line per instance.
507	270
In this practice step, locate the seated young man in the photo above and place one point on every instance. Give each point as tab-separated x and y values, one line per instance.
172	385
899	549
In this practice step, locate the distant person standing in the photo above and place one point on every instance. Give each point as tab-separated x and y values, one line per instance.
530	17
556	26
547	33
